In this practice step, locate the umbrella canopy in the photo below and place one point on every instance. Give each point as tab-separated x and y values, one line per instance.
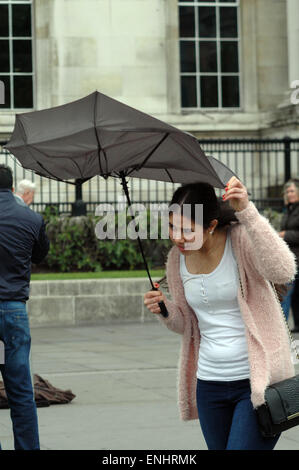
98	135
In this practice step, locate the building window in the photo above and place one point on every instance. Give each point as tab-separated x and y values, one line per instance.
209	54
16	69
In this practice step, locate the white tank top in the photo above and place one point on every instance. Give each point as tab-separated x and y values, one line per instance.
223	352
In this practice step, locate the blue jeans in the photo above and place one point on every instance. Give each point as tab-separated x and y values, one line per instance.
15	333
286	301
227	417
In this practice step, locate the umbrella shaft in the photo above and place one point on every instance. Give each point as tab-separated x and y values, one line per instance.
78	190
125	187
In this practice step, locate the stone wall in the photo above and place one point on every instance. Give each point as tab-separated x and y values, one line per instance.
116	47
83	302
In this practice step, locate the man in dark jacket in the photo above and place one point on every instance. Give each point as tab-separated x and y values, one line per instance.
23	241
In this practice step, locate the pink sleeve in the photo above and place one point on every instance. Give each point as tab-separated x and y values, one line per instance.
175	319
270	254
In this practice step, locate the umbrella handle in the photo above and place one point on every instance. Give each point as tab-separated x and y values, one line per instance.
164	311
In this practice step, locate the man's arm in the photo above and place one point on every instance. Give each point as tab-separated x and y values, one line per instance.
41	246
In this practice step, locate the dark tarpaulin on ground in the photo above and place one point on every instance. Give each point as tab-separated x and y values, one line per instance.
45	394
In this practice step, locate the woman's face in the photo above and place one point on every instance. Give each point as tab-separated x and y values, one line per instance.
185	234
292	194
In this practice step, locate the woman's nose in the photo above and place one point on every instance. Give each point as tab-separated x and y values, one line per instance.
181	239
178	237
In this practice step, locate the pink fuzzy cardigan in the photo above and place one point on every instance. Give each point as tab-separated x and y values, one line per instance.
262	256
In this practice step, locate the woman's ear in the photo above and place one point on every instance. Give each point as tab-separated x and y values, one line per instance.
213	225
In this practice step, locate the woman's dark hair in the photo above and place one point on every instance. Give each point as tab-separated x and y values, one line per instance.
213	207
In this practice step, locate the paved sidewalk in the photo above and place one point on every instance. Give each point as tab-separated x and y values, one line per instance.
124	378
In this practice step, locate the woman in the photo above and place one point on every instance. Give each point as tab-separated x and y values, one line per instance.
234	342
290	233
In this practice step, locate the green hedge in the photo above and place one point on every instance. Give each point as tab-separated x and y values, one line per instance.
274	217
74	246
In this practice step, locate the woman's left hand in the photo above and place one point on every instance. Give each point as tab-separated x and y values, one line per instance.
236	194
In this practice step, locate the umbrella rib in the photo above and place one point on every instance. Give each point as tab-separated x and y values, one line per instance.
170	177
153	151
119	144
52	176
29	147
207	166
73	161
137	167
100	148
96	133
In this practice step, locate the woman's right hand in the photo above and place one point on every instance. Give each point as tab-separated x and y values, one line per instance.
151	299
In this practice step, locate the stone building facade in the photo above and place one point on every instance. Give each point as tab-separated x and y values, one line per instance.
219	68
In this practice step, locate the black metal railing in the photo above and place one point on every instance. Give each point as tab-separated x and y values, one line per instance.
262	165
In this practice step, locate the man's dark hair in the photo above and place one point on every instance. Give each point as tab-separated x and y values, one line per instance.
6	180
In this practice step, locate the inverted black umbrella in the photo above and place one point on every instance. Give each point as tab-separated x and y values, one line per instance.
98	135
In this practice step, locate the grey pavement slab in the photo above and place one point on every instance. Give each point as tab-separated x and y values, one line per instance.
124	378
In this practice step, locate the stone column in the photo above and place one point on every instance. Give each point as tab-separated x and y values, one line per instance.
44	53
286	116
172	56
249	61
293	39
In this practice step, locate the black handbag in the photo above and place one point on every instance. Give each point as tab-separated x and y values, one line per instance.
281	408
